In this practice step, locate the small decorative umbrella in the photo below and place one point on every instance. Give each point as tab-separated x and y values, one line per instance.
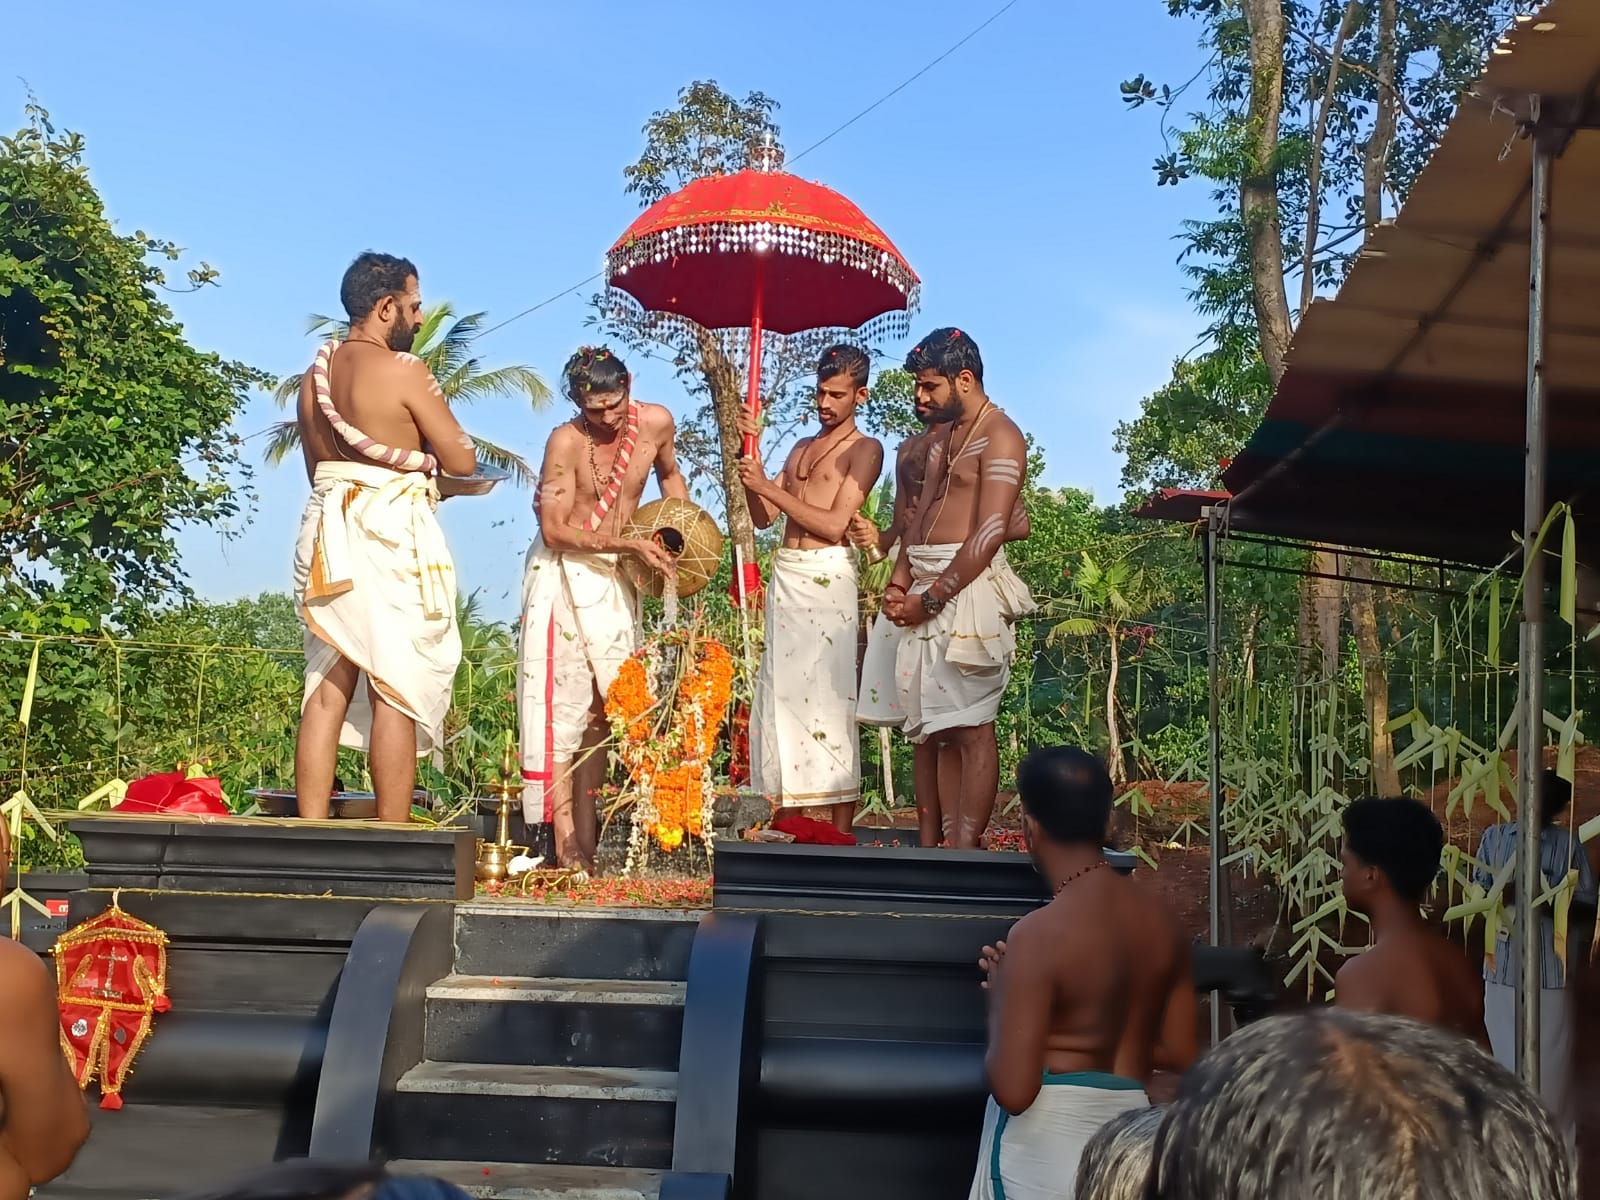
766	251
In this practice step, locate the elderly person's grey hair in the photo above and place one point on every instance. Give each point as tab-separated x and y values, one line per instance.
1116	1162
1341	1105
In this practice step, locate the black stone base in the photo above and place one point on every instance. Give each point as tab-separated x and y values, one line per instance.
39	931
254	855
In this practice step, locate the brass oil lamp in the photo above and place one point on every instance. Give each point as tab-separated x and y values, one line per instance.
494	858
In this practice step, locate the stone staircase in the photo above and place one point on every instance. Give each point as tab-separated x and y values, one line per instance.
550	1055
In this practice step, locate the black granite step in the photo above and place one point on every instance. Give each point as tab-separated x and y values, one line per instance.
506	939
577	1116
555	1022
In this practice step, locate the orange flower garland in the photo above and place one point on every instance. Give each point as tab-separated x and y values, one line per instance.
666	742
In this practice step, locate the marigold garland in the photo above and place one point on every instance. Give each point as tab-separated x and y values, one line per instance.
666	741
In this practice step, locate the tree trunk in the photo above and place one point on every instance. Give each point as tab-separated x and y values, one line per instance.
727	401
1321	604
1376	161
1114	750
1308	275
1258	190
1252	622
1374	678
1363	601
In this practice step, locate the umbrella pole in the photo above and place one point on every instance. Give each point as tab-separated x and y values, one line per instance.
753	406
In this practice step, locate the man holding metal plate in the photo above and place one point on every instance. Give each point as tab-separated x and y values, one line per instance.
373	580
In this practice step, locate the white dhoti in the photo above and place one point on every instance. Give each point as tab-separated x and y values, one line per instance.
374	584
580	622
950	672
1556	1028
1034	1155
804	747
880	702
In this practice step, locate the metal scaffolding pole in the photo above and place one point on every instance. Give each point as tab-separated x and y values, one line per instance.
1220	932
1530	667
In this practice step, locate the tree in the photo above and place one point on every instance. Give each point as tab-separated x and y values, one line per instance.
1305	119
711	132
445	344
114	430
1103	601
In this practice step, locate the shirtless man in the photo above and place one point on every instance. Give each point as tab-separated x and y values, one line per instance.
1391	855
879	700
373	579
43	1120
1088	996
580	613
953	597
804	747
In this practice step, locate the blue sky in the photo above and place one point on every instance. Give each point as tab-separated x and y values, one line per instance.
485	140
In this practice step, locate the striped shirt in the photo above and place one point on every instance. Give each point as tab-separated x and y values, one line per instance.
1559	852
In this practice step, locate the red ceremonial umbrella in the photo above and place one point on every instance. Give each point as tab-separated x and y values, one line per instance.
766	250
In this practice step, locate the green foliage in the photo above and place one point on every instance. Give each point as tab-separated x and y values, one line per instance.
446	344
113	428
709	132
889	411
1202	417
217	687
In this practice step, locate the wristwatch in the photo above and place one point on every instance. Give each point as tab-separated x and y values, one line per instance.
931	604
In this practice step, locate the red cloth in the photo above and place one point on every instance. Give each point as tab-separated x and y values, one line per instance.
752	585
172	793
810	832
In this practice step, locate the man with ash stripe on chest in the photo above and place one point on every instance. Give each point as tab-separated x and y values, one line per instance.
953	597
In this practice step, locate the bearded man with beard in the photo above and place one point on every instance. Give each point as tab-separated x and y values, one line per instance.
936	769
373	579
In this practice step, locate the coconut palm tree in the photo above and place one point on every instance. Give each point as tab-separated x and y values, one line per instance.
445	343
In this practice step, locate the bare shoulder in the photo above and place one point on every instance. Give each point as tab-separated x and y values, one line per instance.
1158	915
1004	433
1355	980
564	439
867	449
656	420
1031	933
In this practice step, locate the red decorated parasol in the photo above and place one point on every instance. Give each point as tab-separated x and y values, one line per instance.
764	250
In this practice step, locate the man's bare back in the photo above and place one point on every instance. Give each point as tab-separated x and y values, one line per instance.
391	397
1120	972
1100	978
1416	973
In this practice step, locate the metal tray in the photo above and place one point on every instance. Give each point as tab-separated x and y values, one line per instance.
480	483
346	806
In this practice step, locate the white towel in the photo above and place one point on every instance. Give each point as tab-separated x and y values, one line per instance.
1034	1155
